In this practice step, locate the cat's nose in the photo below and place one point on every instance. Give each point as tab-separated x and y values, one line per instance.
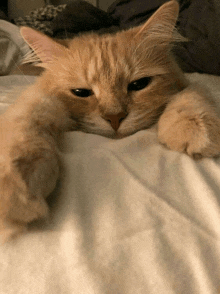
115	119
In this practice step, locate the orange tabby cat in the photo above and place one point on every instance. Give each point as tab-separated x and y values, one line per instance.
110	84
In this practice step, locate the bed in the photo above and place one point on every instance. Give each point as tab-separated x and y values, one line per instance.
127	216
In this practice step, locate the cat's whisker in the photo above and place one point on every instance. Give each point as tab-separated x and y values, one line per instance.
31	57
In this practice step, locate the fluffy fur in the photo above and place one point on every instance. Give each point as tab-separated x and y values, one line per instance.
105	65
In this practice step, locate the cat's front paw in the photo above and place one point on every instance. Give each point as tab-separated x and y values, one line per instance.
195	133
26	179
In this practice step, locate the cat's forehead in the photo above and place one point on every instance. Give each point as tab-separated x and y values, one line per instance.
113	58
101	58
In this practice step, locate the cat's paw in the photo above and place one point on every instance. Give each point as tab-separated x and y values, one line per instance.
25	181
18	206
195	133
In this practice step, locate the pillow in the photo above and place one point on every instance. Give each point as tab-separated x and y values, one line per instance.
12	47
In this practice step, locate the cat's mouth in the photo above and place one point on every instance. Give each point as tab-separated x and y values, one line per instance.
125	130
117	135
112	134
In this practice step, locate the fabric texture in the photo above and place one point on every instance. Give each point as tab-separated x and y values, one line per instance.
4	9
12	47
41	18
128	216
79	17
199	21
67	20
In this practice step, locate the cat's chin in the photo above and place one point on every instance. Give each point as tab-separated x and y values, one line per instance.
120	134
111	135
107	134
115	135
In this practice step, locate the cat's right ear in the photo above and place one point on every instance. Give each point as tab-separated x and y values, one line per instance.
45	48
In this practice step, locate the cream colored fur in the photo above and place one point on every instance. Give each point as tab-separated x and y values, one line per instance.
29	162
190	124
104	65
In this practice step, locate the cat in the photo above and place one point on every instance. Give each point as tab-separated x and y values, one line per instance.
107	84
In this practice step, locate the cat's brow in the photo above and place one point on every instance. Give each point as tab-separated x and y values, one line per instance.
157	71
149	72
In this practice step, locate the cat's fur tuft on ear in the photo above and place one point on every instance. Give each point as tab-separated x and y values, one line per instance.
45	49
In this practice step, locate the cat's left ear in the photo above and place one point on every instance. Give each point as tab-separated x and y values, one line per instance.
45	48
160	27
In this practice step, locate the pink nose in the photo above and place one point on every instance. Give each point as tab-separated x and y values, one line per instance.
115	119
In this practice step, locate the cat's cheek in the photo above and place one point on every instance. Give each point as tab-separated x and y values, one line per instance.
78	107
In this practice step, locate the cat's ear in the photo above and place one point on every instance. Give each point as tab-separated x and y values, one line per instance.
46	50
161	25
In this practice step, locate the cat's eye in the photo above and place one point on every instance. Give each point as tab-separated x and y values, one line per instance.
82	92
139	84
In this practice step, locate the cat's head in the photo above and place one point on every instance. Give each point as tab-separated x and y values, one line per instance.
113	84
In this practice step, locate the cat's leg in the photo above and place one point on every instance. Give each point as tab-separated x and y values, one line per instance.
27	177
190	124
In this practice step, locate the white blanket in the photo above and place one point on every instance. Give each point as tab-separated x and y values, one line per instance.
127	217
